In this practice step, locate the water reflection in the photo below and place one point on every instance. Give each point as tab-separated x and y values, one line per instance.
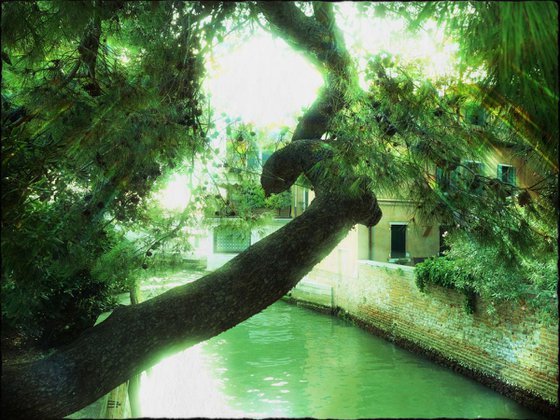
291	362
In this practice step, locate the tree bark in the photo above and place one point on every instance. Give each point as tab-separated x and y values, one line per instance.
319	39
136	337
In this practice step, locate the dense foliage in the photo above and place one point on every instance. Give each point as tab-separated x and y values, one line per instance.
529	282
447	273
99	99
102	101
237	190
503	243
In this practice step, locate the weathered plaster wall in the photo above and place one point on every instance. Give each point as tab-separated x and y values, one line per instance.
422	239
525	175
510	350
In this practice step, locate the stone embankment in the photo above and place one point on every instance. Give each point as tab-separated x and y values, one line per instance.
511	350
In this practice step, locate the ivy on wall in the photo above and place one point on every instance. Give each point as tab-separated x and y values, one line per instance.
444	272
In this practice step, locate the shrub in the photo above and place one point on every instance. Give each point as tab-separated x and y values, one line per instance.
444	272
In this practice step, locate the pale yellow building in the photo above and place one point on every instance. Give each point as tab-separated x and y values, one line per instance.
401	237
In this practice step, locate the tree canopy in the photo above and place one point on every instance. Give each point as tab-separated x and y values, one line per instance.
103	100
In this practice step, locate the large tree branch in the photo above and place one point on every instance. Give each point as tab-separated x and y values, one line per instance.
88	48
283	168
319	38
134	338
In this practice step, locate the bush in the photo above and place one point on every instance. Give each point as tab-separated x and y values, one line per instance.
444	272
53	287
491	272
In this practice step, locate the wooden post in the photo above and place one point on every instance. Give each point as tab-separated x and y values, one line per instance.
134	382
116	402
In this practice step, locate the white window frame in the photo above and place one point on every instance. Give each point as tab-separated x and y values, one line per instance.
514	181
481	165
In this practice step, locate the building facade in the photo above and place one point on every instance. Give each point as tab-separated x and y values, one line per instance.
402	237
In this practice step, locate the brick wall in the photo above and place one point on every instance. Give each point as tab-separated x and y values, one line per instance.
510	348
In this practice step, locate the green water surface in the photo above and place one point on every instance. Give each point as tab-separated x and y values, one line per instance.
290	362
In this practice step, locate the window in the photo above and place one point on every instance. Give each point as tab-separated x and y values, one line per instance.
474	166
476	115
228	240
506	173
398	240
471	171
443	179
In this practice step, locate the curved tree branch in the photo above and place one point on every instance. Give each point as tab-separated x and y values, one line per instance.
319	38
283	168
87	369
134	338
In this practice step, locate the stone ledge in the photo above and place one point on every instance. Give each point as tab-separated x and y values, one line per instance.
390	266
524	397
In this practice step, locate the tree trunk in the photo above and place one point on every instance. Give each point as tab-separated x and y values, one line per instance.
136	337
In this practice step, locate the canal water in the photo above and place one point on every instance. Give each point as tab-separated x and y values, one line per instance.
290	362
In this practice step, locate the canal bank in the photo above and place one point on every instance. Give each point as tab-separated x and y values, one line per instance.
510	351
291	362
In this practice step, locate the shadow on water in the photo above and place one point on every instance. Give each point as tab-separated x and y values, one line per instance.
288	361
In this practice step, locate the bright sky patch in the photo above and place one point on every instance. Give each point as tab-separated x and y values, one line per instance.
176	194
263	81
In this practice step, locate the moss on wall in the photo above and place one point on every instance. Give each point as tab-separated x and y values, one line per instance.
509	350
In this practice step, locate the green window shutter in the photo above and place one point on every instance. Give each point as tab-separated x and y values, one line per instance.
443	179
506	173
398	241
231	241
479	168
470	175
